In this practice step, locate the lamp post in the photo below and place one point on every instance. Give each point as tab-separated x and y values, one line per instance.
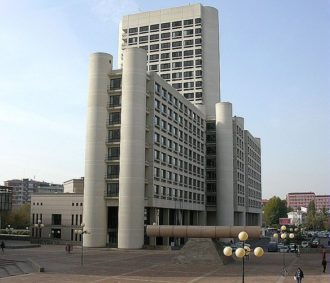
284	236
39	225
242	252
81	232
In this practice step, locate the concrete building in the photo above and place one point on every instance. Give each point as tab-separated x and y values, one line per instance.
154	143
60	214
302	199
23	188
74	186
6	195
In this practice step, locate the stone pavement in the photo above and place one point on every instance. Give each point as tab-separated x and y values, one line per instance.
113	265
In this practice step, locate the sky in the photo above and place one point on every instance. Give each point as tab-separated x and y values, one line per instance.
275	70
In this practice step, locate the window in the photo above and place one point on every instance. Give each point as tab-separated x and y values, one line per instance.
132	40
188	53
113	153
165	25
198	31
114	118
188	22
153	67
154	47
188	63
177	54
165	76
188	32
176	44
144	29
165	66
188	74
198	21
198	52
154	57
199	62
156	154
156	137
56	219
154	27
188	42
165	56
143	39
113	189
189	85
154	37
157	88
133	30
199	84
165	46
176	34
176	76
165	35
114	135
115	100
198	41
113	171
177	85
115	83
188	95
199	73
176	24
176	65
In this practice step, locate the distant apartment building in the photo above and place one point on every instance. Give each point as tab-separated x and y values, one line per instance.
302	199
6	195
23	188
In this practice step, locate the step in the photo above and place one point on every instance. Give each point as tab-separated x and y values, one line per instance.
13	270
24	267
3	272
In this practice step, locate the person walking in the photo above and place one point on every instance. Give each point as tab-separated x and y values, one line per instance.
324	264
299	275
2	245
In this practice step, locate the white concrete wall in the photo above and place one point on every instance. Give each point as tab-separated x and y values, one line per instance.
225	189
95	212
132	150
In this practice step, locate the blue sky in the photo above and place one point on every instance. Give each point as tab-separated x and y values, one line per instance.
275	69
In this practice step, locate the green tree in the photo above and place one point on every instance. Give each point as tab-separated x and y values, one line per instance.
311	216
18	218
274	210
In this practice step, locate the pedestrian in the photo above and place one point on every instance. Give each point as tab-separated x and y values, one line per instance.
324	264
2	245
67	247
299	275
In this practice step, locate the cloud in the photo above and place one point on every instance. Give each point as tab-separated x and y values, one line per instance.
112	10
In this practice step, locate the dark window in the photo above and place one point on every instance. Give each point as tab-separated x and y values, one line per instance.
176	44
115	100
154	37
114	118
188	22
113	153
56	219
154	27
133	30
165	45
113	171
144	29
143	39
112	189
177	24
115	83
165	25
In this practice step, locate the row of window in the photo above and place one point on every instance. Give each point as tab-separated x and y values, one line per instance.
176	65
179	75
164	26
167	45
167	96
182	180
176	194
165	36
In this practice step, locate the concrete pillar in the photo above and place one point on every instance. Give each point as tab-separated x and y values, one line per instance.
225	187
95	211
166	221
132	150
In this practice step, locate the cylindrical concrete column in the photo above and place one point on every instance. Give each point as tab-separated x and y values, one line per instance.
95	212
225	187
211	60
132	150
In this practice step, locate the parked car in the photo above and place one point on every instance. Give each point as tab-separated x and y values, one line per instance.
239	245
293	248
272	247
304	244
314	244
282	248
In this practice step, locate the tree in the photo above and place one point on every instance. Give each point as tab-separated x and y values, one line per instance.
18	218
274	210
316	220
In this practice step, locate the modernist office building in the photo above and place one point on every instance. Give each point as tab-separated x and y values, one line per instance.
160	148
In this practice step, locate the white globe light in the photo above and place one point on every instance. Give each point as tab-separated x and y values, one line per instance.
296	229
258	252
283	228
240	252
283	236
243	236
275	235
227	251
247	250
291	235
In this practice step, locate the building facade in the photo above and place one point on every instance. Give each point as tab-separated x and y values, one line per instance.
160	145
302	199
6	196
23	188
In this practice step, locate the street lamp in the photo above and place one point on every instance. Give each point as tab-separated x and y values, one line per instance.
38	226
242	252
284	236
9	229
81	232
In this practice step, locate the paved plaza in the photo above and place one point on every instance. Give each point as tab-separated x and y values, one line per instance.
113	265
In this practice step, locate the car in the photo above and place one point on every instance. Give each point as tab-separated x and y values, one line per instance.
304	244
272	247
282	248
314	244
237	245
